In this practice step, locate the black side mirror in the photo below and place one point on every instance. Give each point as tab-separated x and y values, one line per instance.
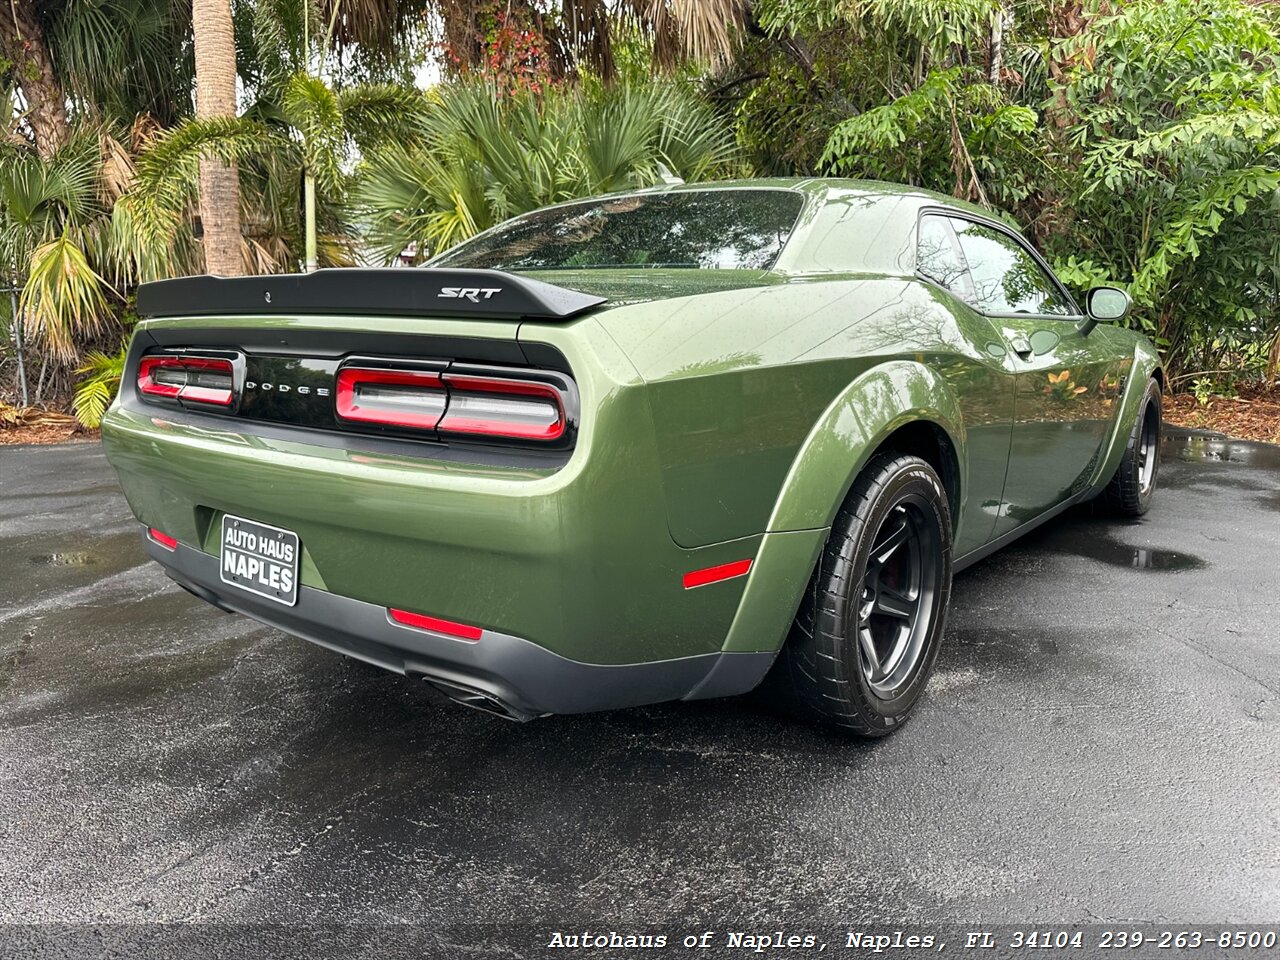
1104	305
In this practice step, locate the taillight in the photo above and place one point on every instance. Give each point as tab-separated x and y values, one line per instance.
177	377
393	398
457	404
489	406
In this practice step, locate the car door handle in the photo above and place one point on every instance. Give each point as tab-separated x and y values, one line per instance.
1022	347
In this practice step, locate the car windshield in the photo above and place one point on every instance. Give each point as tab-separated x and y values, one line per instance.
696	229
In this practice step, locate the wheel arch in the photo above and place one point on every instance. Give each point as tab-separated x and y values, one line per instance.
1146	366
928	440
900	405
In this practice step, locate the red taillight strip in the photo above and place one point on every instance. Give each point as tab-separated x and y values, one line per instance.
349	407
496	427
166	541
148	386
420	621
725	571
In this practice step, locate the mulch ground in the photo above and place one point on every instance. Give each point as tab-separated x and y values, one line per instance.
52	433
32	425
1254	415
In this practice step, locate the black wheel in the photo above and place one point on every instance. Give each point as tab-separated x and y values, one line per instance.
868	631
1130	490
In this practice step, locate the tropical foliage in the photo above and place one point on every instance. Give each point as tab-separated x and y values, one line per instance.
1175	184
477	159
1138	139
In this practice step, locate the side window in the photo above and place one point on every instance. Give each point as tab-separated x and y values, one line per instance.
1006	278
938	257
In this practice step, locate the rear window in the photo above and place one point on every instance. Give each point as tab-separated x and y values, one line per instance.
698	230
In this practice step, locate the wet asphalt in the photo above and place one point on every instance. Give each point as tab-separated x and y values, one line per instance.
1101	742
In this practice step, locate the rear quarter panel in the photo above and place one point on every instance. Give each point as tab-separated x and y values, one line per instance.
739	381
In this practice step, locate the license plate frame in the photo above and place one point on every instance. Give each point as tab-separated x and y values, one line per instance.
249	551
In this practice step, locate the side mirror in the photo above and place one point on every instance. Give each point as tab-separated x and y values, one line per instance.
1104	305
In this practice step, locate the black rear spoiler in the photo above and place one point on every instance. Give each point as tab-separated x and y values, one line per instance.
410	291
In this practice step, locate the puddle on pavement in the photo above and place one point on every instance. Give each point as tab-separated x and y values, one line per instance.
1099	541
1209	448
80	558
1134	558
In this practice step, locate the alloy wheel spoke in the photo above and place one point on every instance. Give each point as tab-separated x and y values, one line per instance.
866	607
869	651
893	603
899	650
890	544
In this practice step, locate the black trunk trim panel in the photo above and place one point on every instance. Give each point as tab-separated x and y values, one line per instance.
366	291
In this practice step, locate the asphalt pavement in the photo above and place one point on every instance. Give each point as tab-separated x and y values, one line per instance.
1100	743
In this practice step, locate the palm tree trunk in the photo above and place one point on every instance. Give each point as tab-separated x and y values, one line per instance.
22	43
216	97
16	323
997	44
309	211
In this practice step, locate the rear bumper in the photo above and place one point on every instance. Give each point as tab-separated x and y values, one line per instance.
499	672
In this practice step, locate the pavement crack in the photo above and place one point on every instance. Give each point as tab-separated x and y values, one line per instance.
1192	645
253	877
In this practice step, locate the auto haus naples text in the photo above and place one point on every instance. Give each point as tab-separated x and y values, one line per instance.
250	559
755	942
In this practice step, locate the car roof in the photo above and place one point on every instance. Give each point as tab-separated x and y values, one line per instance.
827	188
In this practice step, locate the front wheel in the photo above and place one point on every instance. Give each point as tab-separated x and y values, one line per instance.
1130	491
868	631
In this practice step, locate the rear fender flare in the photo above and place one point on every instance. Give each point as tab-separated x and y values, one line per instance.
841	442
852	428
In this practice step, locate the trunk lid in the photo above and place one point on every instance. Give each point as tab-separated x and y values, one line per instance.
623	287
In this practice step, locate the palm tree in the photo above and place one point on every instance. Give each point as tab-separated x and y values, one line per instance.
479	159
43	99
308	136
215	50
67	244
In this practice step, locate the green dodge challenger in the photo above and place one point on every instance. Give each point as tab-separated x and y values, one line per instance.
671	444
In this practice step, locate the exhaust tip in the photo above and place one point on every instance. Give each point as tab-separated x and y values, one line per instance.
481	700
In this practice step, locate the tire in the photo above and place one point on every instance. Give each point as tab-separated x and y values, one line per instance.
824	670
1129	492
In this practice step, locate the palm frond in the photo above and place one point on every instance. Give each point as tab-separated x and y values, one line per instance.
168	171
375	113
64	299
707	30
100	382
125	56
479	159
313	110
692	141
381	26
619	130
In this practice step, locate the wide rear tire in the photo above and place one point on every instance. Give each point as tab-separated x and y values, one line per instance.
1130	491
869	628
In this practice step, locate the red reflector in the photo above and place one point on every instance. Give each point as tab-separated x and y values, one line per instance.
393	398
166	541
726	571
460	630
494	407
201	379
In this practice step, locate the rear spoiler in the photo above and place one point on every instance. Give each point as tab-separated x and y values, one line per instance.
405	292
